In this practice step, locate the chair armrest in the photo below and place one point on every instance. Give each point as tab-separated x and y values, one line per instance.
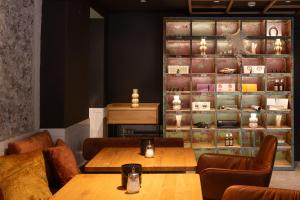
215	181
241	192
224	161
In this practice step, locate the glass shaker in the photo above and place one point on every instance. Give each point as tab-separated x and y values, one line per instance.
133	183
149	151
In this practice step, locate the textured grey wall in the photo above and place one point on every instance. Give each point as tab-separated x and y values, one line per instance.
16	67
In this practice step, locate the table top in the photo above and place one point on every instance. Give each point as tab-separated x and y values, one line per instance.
165	159
154	186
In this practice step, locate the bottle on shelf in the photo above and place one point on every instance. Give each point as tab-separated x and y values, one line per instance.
226	139
281	85
276	85
230	139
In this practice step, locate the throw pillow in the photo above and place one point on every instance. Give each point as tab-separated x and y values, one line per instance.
23	177
62	161
38	141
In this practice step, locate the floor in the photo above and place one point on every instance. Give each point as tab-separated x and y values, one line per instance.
286	179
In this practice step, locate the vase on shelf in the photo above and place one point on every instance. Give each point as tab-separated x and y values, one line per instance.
277	46
135	98
203	47
176	102
178	120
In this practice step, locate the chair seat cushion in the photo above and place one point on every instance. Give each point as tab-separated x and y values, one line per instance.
23	177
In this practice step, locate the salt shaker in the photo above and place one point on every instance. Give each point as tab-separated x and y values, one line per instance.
133	183
149	151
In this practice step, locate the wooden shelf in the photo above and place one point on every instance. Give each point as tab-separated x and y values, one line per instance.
178	111
282	163
245	127
271	127
222	146
174	128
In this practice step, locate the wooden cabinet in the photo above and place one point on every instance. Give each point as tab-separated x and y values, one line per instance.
220	69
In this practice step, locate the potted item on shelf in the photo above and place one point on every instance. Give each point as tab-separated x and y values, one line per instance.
253	120
176	102
135	98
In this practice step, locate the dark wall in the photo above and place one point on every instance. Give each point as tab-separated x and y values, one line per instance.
64	63
96	63
134	59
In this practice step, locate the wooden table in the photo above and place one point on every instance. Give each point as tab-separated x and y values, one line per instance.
154	187
166	159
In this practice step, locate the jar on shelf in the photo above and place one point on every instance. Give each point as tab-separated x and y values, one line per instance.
176	102
253	120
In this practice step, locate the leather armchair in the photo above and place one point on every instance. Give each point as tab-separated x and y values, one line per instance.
218	172
242	192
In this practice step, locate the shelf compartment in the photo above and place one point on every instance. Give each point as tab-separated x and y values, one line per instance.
203	139
185	135
178	83
248	100
204	98
199	152
252	138
286	46
278	65
249	81
252	62
225	47
178	47
203	28
273	77
283	158
204	83
250	49
220	139
284	138
208	118
171	121
261	121
278	95
185	102
232	79
231	63
210	44
227	27
178	28
253	28
234	116
203	65
177	61
284	124
228	101
283	28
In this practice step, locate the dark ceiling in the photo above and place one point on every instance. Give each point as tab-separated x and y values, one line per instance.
201	6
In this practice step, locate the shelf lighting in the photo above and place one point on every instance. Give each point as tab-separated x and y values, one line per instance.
216	1
251	4
143	1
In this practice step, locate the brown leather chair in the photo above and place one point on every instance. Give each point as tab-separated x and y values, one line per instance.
242	192
91	146
218	172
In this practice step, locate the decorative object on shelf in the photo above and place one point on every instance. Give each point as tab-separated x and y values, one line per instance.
135	98
178	69
278	120
249	87
253	120
203	47
230	139
201	105
227	70
253	47
273	31
276	85
281	85
255	107
227	139
277	46
133	182
205	87
226	87
178	120
176	102
201	125
228	107
277	103
149	153
255	69
227	124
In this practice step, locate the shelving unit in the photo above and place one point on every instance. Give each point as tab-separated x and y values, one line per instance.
229	44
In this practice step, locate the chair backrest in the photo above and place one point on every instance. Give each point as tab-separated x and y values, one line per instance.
265	157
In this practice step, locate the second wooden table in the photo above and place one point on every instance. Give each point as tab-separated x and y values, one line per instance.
166	159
